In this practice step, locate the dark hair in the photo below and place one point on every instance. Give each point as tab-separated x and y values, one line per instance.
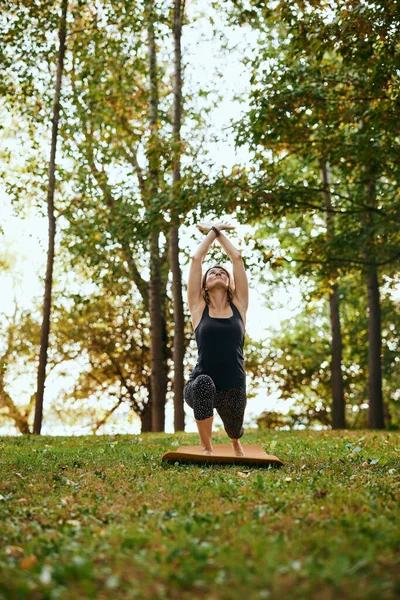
205	293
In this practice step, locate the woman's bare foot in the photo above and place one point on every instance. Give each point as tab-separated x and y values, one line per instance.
207	452
237	448
205	433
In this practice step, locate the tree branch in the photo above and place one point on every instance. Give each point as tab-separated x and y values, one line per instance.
108	414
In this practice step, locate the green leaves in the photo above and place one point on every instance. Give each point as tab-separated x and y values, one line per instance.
308	107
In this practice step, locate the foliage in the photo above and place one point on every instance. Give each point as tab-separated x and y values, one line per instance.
318	95
271	419
18	346
324	91
106	201
297	358
108	331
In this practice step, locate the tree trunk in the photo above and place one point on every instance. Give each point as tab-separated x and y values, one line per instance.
146	417
376	419
156	342
156	338
45	330
179	322
338	403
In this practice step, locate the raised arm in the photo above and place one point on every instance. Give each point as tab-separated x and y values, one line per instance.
195	272
239	273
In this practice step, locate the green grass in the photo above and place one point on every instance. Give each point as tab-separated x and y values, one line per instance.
101	517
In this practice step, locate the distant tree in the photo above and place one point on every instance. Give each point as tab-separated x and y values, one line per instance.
179	342
130	192
44	339
338	401
108	332
158	374
19	342
32	93
296	359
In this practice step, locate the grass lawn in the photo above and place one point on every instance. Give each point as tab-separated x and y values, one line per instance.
101	517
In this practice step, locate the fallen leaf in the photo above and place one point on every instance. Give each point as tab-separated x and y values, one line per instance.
28	562
22	500
74	523
320	493
15	551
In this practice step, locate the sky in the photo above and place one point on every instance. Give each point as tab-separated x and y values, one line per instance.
26	239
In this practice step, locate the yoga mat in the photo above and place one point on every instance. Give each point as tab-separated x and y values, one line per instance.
223	454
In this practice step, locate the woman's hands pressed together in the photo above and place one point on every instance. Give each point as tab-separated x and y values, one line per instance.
220	225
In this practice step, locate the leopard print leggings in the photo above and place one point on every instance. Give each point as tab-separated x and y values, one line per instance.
202	395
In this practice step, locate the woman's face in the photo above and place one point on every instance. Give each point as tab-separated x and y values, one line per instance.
216	275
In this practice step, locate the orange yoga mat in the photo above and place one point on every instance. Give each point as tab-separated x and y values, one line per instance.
223	454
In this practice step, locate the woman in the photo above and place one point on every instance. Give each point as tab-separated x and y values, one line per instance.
218	310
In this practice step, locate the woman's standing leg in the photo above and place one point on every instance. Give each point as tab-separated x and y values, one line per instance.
231	405
200	395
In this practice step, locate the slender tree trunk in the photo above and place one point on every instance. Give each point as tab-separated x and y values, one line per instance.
338	403
156	341
156	338
376	419
179	322
45	330
146	417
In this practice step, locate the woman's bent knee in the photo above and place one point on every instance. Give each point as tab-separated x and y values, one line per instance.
204	384
202	397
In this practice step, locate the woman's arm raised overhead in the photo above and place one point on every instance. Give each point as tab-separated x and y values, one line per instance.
239	273
195	272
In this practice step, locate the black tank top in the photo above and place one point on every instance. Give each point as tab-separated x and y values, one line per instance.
220	349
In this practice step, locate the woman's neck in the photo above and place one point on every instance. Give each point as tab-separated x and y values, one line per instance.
219	300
